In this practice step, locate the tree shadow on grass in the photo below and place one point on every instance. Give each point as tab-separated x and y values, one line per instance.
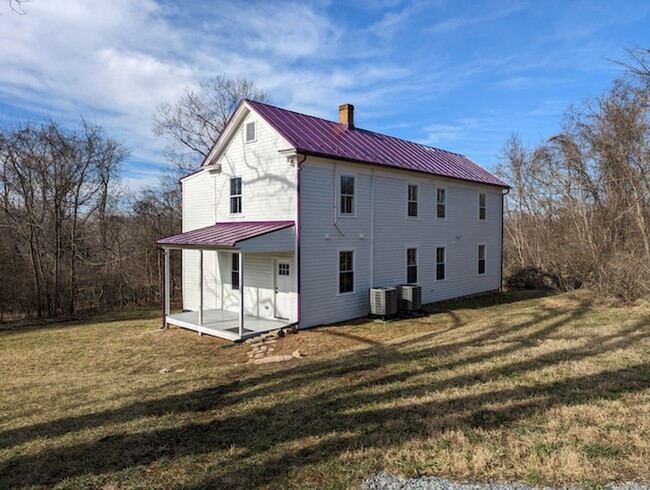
356	412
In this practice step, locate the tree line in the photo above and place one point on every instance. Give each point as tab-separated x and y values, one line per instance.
579	210
71	236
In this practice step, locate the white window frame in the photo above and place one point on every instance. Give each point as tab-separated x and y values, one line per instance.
444	188
478	259
340	214
232	196
338	269
416	201
234	259
444	262
482	220
246	125
408	247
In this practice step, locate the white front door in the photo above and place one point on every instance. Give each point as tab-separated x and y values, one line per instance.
282	289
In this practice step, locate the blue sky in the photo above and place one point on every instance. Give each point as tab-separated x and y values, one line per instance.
459	75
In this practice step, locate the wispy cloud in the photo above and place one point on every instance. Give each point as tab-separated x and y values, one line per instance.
455	23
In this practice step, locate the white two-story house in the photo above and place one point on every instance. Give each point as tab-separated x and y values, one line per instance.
292	219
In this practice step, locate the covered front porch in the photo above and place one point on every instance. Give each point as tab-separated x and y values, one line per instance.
239	279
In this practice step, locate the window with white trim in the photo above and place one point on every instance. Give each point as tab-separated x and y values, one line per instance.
234	274
412	201
481	260
441	261
441	203
250	132
346	195
482	206
235	195
411	265
346	271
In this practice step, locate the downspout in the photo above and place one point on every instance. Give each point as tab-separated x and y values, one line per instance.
372	228
298	169
503	196
335	203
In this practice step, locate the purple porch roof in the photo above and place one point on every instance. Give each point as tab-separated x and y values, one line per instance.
224	234
320	137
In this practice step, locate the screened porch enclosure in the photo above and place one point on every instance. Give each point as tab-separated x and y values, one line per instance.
234	289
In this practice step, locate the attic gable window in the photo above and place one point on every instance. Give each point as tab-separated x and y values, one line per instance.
250	132
235	195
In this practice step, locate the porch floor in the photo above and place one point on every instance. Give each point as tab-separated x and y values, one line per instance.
225	324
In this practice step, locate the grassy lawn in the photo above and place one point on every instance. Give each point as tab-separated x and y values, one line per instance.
520	386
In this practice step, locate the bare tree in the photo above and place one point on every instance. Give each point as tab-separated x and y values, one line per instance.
194	122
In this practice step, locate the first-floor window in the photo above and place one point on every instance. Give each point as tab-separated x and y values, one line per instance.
346	271
235	195
411	265
235	271
440	263
481	259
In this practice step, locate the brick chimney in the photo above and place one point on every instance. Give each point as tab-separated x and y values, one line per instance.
346	115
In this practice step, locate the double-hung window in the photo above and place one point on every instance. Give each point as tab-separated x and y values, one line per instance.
412	201
235	195
440	263
346	195
481	260
234	275
482	207
411	265
346	271
441	203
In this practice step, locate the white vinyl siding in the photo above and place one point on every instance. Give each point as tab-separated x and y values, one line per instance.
321	301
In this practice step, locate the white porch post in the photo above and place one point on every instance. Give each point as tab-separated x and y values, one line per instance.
200	287
241	293
166	271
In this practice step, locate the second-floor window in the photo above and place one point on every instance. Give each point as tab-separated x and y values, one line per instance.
412	201
411	265
234	275
482	207
346	195
235	195
441	203
440	264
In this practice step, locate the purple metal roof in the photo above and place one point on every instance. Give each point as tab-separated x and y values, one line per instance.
316	136
225	234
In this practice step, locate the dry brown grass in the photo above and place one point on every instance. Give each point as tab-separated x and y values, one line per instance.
539	389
